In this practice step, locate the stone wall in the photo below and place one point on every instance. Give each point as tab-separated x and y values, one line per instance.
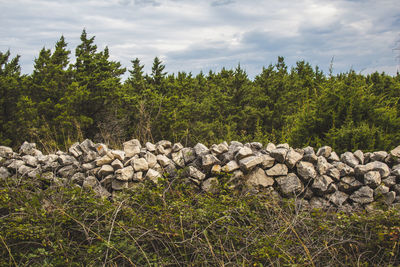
317	180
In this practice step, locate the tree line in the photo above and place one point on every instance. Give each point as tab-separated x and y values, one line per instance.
62	102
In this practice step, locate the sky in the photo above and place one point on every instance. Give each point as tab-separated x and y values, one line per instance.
203	35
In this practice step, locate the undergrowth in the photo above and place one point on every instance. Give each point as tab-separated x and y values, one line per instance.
173	224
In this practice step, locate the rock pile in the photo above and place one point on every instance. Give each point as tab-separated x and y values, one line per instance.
316	180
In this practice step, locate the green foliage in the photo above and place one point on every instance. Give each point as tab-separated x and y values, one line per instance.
172	223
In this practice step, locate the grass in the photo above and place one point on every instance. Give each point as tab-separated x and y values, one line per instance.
174	224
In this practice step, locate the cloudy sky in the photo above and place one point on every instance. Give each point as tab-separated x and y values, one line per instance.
199	35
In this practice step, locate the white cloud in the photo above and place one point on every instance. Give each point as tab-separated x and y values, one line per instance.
193	35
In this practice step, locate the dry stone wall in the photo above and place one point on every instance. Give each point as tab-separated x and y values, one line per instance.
321	179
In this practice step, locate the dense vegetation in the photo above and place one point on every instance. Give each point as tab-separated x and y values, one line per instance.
172	224
61	102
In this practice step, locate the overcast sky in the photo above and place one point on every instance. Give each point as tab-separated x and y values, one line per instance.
199	35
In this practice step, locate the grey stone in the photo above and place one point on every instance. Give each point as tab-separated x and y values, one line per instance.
285	146
243	153
119	185
118	154
140	164
349	159
381	167
105	170
390	197
230	166
360	156
210	185
75	150
177	158
219	149
151	159
163	160
138	177
5	151
35	172
27	149
323	165
333	157
338	198
279	154
344	170
290	185
389	181
378	156
381	190
257	177
90	156
90	182
396	152
278	170
256	145
87	146
349	184
249	163
193	172
30	160
4	173
163	150
321	184
177	147
201	149
67	171
324	151
306	170
132	148
88	166
104	160
209	160
117	164
101	149
292	157
150	147
66	160
334	173
124	174
15	164
78	178
364	195
372	179
270	147
267	161
153	175
189	154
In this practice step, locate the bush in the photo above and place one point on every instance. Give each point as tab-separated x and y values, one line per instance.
174	224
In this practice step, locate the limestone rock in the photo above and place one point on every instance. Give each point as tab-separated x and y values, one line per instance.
118	154
30	160
209	160
193	172
119	185
292	157
381	190
189	154
267	161
132	148
344	170
153	175
219	149
88	166
150	147
257	177
5	151
105	170
90	156
349	184
200	149
396	152
243	153
67	171
390	197
378	156
216	169
278	170
360	156
230	166
381	167
318	203
306	170
4	173
15	164
279	154
338	198
177	158
78	178
290	185
163	160
364	195
106	159
333	157
124	174
372	179
324	151
321	184
90	182
349	159
210	185
177	147
333	173
323	165
249	163
270	147
151	159
138	177
389	181
87	146
101	149
66	160
309	155
27	149
140	164
117	164
75	150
